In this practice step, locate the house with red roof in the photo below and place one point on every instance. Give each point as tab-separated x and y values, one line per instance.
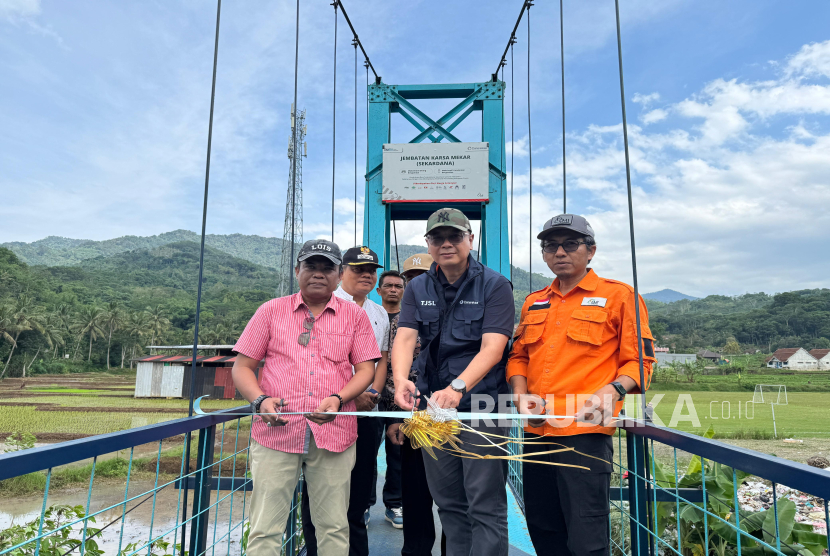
169	376
793	358
823	358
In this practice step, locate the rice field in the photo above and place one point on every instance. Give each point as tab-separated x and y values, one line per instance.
807	414
59	407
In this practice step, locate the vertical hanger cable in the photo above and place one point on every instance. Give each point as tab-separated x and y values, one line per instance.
333	119
530	160
562	59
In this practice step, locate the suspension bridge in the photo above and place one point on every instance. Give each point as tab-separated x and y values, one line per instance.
652	502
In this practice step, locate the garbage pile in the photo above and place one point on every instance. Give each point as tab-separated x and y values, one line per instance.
756	496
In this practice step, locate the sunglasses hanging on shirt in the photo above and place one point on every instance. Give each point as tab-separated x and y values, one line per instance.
305	337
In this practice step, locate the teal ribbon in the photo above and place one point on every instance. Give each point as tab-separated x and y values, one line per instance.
461	416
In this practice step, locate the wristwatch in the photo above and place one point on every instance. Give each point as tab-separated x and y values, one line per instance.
258	402
459	386
620	389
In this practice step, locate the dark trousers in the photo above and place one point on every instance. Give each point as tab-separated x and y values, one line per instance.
418	523
392	483
366	451
565	506
471	497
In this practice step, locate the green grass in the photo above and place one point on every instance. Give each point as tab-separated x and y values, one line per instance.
125	400
805	416
28	419
69	476
63	390
795	381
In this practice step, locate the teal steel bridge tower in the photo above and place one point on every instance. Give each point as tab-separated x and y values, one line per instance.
486	98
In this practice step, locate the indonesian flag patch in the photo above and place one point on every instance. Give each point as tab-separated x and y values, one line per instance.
541	304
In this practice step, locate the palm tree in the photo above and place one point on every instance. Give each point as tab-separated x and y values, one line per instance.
25	315
137	326
53	332
6	322
89	322
114	318
158	322
63	315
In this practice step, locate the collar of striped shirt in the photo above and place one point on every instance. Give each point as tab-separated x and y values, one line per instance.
300	302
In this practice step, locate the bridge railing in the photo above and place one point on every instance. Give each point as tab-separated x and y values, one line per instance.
660	503
185	524
676	493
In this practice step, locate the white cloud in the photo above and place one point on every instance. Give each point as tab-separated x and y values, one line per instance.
656	115
711	215
518	148
813	59
728	106
645	100
19	8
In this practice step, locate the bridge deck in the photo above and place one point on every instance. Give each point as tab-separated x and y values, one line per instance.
385	540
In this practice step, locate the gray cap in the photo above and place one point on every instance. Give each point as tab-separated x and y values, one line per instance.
572	222
322	248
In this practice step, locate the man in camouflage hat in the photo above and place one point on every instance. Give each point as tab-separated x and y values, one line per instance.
463	313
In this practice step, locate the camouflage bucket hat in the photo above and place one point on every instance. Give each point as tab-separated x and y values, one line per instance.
449	217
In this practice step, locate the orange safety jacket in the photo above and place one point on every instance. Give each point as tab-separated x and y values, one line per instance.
569	346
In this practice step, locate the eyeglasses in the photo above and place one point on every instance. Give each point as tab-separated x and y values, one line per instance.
362	269
569	245
438	240
305	337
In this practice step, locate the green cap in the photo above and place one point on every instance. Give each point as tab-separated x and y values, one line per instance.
449	217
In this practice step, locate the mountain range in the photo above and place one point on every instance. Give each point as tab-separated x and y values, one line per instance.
668	296
54	251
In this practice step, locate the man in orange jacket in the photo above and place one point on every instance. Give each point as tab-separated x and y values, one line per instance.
574	354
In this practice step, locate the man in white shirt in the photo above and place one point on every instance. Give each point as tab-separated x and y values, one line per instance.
360	265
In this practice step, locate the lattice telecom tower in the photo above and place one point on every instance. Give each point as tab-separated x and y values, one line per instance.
293	228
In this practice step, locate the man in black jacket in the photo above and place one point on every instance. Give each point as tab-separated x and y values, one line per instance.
463	313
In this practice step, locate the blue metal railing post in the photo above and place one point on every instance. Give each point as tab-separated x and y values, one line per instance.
201	491
638	495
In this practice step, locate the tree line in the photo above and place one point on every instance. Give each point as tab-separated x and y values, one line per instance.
104	311
68	319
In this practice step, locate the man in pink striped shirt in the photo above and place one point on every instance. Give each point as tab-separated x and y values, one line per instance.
310	341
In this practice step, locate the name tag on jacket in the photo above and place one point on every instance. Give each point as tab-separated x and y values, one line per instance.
595	301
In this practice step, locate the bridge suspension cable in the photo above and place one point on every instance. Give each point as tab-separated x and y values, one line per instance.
525	5
202	251
530	159
357	38
630	210
512	144
334	119
562	61
354	43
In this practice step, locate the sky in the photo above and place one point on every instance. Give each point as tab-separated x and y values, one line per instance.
104	118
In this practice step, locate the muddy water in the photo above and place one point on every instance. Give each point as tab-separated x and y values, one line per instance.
138	522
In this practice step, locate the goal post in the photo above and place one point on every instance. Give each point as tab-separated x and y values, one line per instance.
772	394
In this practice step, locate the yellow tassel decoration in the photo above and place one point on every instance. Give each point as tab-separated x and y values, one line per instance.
427	432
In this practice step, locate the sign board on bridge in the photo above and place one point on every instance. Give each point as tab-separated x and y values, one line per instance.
428	172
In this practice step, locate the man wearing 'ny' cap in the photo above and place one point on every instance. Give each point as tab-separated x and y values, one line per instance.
416	265
575	353
320	355
463	313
